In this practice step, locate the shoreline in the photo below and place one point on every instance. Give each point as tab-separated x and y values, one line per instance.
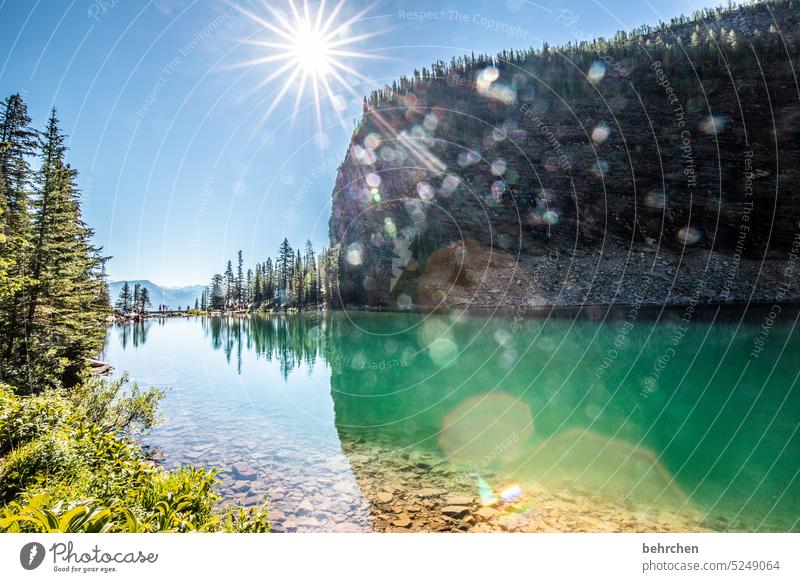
522	312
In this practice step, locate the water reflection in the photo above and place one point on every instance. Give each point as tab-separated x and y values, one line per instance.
568	423
134	333
291	341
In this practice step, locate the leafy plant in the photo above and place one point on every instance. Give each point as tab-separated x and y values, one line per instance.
67	470
22	420
117	407
52	455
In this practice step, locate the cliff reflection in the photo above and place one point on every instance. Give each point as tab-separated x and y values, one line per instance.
680	418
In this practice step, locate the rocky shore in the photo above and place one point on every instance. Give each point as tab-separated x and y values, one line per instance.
416	491
470	275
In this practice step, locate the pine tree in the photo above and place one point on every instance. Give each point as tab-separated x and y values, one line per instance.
248	287
125	298
65	301
144	299
18	145
239	295
8	285
298	296
283	266
229	284
217	299
310	275
268	274
21	140
258	284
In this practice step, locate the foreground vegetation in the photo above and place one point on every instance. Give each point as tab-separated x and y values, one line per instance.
69	462
69	456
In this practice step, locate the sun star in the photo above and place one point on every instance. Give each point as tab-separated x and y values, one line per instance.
308	50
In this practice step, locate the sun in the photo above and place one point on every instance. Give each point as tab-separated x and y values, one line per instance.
308	51
312	53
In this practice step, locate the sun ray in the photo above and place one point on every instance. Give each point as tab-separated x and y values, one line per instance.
286	86
353	39
311	45
267	80
323	31
345	25
258	20
320	12
259	61
367	56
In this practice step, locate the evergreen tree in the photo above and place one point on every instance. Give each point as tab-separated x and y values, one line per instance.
125	299
239	295
310	275
144	299
258	285
19	143
248	287
283	266
298	293
268	275
217	299
230	284
67	299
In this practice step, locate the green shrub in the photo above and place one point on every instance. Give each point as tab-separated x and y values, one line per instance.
25	418
116	407
50	457
70	467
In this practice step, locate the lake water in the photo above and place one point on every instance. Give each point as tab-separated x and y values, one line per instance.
622	420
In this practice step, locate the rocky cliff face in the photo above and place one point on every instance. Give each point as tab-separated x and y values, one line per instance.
659	166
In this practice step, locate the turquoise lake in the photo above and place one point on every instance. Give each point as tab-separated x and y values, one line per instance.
621	420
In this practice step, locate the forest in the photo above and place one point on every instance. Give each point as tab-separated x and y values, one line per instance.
295	279
70	455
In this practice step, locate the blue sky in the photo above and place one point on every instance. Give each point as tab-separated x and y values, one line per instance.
178	169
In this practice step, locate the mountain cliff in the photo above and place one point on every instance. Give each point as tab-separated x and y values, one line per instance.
660	166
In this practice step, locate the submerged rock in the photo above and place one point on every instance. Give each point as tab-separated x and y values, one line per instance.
244	471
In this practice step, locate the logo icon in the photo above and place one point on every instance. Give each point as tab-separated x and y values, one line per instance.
31	555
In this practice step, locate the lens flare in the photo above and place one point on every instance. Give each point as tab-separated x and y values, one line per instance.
486	494
308	49
510	492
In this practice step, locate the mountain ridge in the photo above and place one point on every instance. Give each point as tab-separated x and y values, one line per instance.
173	297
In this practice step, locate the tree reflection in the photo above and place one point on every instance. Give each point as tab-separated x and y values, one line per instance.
134	333
293	341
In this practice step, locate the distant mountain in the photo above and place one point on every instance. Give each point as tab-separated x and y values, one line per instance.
172	297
